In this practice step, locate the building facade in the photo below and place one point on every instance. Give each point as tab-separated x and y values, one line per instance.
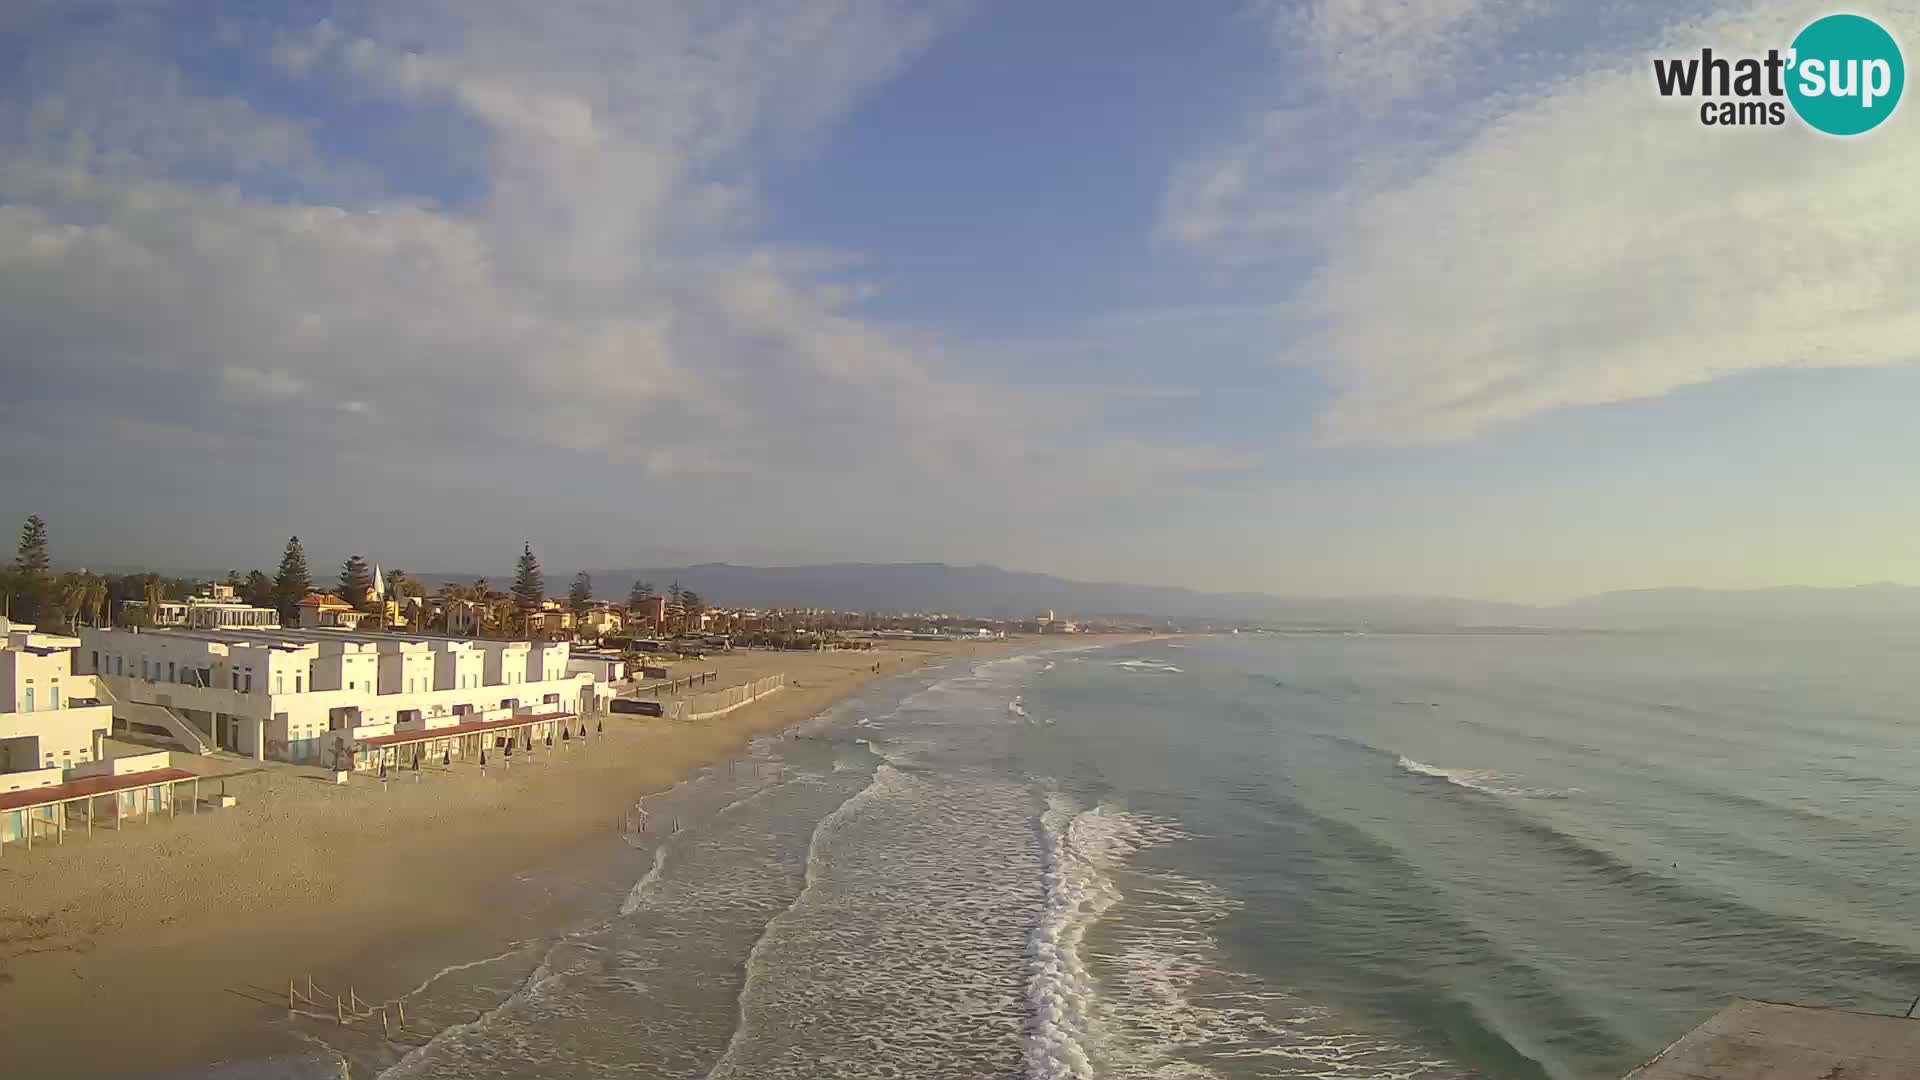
220	608
307	695
50	716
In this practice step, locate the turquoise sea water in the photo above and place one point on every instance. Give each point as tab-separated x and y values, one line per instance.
1314	855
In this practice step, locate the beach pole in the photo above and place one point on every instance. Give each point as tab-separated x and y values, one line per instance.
310	995
402	1006
89	817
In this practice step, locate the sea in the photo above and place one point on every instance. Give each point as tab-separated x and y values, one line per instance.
1355	855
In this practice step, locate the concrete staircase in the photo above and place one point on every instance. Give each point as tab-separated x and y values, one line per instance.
188	736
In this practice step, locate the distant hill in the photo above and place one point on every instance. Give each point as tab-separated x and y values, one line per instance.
992	592
1882	603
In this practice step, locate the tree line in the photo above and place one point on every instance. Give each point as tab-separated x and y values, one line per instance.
31	592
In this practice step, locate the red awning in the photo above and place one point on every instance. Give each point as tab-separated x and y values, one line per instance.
88	787
418	735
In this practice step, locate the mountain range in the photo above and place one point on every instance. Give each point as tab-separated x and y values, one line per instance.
992	592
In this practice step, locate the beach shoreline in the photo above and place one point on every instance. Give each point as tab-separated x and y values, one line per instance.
181	937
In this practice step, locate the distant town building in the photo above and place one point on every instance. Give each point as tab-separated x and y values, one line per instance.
652	612
326	609
602	620
217	609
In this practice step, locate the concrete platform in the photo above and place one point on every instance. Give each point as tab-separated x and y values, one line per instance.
1762	1040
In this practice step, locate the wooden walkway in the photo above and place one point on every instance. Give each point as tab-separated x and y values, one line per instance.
1764	1040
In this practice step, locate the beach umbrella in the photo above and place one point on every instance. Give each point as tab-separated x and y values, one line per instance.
599	727
383	767
549	740
446	757
509	749
566	735
416	759
483	757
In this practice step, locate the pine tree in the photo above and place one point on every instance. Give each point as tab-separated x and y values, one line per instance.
258	589
292	584
30	585
529	587
356	581
675	606
691	608
32	557
581	594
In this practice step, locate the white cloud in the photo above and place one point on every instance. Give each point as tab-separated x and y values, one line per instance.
602	298
1591	244
1376	51
253	384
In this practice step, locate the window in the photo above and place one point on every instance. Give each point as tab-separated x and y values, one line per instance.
296	683
236	679
28	707
53	698
249	687
171	677
279	683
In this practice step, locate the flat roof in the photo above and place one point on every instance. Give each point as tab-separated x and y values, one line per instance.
402	738
89	787
1765	1040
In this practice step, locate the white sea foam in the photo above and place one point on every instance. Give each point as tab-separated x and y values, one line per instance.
638	894
1077	850
1143	665
755	967
1016	708
1485	781
450	969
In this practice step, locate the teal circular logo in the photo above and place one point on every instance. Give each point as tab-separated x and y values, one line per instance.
1846	74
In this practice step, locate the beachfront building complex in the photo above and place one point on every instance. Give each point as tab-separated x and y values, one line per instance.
50	718
315	695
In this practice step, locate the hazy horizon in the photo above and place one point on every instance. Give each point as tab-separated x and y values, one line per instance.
1338	299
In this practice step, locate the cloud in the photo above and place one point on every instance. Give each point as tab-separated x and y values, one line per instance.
600	297
252	384
1583	244
1379	51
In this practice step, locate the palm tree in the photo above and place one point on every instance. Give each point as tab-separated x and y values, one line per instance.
81	594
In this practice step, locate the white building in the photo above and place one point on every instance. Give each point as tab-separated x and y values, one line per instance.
309	695
604	667
50	720
219	609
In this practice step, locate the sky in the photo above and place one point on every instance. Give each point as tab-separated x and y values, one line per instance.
1361	297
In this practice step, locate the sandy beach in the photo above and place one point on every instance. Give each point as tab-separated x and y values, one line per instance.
176	939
